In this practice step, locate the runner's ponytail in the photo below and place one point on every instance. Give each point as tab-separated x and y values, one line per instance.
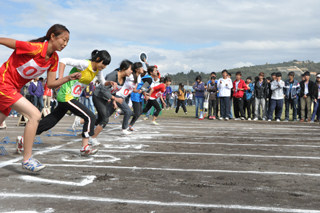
56	29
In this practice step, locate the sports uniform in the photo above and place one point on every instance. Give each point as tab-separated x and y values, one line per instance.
68	98
136	98
152	102
25	63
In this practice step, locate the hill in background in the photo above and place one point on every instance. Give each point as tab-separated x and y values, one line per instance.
298	67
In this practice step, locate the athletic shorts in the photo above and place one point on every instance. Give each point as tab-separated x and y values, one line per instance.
8	96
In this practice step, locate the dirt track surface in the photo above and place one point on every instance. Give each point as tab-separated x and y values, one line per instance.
183	165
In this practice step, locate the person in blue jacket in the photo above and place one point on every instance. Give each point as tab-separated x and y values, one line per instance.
291	90
248	98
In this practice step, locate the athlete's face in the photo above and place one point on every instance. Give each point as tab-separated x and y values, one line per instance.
100	65
128	71
168	83
60	42
140	70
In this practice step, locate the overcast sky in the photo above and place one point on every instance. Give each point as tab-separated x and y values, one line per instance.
178	36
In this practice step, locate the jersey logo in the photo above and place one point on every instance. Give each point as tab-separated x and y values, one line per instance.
31	70
77	89
158	94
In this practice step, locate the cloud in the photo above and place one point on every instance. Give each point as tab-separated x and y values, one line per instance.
178	36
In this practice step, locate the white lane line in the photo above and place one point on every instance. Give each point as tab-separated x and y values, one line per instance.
133	168
201	154
87	180
155	203
248	137
48	149
224	144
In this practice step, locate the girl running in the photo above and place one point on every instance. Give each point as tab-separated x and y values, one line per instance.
70	92
156	92
28	61
136	98
105	99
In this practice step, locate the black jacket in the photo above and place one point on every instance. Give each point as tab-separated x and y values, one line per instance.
310	87
315	91
260	92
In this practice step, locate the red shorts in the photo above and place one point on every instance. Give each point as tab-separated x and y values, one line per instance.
8	96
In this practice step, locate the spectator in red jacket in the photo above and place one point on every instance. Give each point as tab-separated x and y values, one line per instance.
239	87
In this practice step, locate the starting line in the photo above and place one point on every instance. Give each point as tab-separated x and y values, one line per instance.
155	203
183	170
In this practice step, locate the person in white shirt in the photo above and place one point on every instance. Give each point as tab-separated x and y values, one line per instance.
224	86
276	97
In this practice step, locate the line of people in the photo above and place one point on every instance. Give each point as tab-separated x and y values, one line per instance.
260	99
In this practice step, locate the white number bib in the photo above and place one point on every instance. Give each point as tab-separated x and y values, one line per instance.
77	89
31	70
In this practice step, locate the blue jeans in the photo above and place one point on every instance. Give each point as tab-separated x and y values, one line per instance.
89	104
37	100
231	113
224	107
316	110
199	104
275	105
293	103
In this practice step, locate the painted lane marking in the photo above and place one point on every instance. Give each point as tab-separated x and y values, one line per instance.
157	203
48	149
202	154
87	180
108	159
186	170
226	144
125	146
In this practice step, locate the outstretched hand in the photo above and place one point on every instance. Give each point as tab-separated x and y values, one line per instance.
75	76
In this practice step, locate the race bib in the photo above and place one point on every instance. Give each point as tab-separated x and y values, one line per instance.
77	89
114	90
31	70
158	94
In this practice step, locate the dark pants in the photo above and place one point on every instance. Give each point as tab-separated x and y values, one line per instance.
155	104
253	105
238	107
224	107
276	105
247	107
76	108
182	103
212	108
137	111
293	103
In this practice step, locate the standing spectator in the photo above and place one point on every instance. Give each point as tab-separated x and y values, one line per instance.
248	98
36	90
172	96
260	94
199	96
212	90
47	96
276	97
305	94
181	94
167	95
190	97
175	99
299	98
239	87
87	93
53	103
316	98
224	87
231	95
291	90
273	78
268	96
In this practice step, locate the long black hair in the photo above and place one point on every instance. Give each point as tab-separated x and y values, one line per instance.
136	66
151	69
125	64
103	55
56	29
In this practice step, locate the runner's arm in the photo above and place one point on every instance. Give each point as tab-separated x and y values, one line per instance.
8	42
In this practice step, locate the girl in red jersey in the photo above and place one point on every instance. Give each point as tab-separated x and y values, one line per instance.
30	60
155	93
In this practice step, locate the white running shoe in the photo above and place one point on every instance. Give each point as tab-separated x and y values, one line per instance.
236	119
33	165
264	119
76	123
255	119
125	132
93	142
242	118
145	118
19	144
132	129
117	114
278	120
221	118
269	119
249	119
154	123
227	119
87	150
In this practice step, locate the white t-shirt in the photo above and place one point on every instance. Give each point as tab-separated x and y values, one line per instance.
306	88
127	87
